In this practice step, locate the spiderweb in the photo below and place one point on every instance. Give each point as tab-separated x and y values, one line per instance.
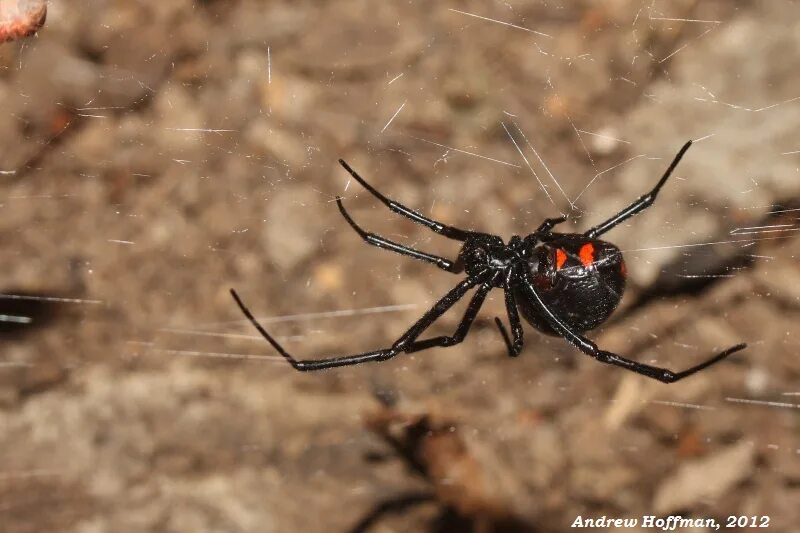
155	154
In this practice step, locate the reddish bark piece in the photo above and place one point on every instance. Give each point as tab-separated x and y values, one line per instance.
21	18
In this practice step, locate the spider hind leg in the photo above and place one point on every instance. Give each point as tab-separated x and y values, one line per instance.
588	347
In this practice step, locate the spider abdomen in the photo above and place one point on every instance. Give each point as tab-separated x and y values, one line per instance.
580	280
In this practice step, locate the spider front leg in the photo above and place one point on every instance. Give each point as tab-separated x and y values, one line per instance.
642	203
381	242
403	344
442	229
589	348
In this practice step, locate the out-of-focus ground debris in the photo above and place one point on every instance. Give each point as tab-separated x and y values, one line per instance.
705	479
155	154
472	493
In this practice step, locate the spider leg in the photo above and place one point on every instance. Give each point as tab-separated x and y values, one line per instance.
442	229
543	232
463	327
642	203
380	242
514	346
506	337
549	224
589	348
401	345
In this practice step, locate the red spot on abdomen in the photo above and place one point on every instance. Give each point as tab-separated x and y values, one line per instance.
586	254
561	258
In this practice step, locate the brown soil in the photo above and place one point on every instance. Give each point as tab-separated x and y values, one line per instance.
154	154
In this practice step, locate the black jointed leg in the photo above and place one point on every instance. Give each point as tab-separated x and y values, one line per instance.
642	203
506	337
662	374
549	224
403	344
442	229
380	242
543	233
463	326
514	346
589	348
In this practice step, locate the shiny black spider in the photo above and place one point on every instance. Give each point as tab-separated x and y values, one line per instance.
564	284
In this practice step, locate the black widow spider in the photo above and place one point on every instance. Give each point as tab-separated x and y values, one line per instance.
564	284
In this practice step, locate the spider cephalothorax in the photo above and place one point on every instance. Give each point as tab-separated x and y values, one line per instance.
564	284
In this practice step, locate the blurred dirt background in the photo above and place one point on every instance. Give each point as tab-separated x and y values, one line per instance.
154	154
